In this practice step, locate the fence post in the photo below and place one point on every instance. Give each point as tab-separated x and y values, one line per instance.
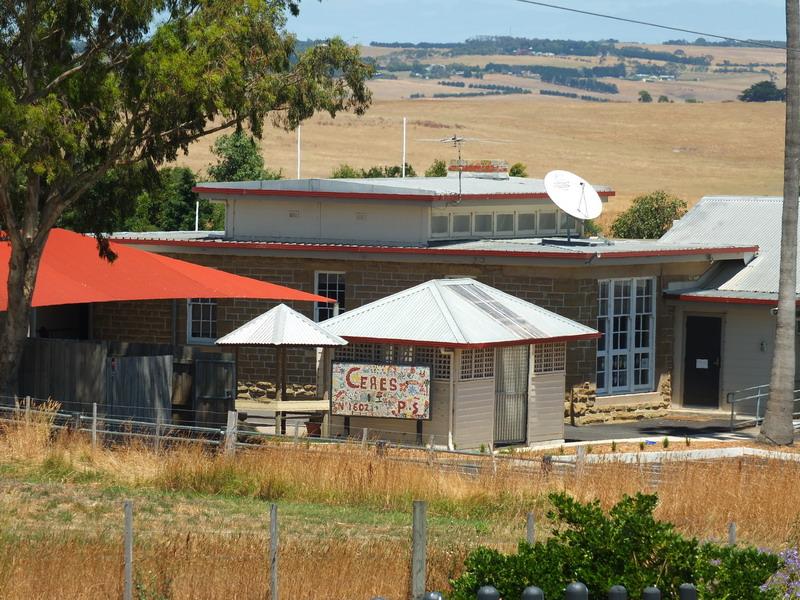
418	550
27	409
94	425
687	592
273	551
617	592
730	398
487	592
532	593
732	533
77	418
296	432
364	434
158	432
127	591
530	530
576	591
230	432
651	593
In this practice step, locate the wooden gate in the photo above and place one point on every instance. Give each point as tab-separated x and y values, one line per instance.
139	388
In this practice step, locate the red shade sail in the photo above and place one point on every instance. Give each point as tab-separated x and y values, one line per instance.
71	272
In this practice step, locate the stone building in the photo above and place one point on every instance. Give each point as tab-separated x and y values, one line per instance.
360	240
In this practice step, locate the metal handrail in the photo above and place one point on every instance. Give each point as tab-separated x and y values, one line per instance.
759	393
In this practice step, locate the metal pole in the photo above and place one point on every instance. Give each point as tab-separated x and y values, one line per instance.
94	425
273	551
531	528
158	432
197	216
404	145
127	592
27	409
298	151
418	547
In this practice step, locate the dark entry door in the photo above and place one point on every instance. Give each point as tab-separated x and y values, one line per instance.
703	354
511	395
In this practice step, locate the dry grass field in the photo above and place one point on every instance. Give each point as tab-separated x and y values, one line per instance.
689	149
200	518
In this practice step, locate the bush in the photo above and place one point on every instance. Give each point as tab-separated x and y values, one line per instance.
649	217
627	546
437	169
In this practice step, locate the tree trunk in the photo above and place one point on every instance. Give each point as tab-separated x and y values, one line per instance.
23	268
778	427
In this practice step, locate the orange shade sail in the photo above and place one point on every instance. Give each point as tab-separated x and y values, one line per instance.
71	272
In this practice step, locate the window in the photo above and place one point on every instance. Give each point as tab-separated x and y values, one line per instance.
397	355
567	222
330	285
462	224
626	321
549	358
504	223
547	222
483	224
477	364
201	319
440	225
526	223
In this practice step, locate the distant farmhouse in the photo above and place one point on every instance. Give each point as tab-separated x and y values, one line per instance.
360	240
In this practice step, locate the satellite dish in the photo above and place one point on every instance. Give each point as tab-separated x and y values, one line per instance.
572	194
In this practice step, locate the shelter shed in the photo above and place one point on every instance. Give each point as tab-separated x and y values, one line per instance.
452	361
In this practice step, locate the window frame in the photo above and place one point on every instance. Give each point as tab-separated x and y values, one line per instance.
323	305
446	232
631	350
213	321
539	229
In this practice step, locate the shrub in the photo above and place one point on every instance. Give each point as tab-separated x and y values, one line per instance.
649	217
626	546
786	582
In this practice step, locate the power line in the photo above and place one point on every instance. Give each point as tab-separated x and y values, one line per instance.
650	24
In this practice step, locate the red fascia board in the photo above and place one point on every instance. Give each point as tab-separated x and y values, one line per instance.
578	256
462	346
372	195
726	300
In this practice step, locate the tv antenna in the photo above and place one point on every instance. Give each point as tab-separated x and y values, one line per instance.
573	195
457	142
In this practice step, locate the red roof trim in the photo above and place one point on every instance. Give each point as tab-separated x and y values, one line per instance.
552	340
581	256
371	195
725	300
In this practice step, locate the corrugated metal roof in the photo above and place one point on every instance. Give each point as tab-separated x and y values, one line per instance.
455	313
421	186
743	220
523	247
281	326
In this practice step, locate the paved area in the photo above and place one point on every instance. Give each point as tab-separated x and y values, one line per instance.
655	428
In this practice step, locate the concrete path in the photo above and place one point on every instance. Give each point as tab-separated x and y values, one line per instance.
657	429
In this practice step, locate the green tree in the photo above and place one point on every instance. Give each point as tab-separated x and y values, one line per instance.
763	91
645	97
662	99
649	216
518	170
93	86
437	169
239	159
778	427
345	171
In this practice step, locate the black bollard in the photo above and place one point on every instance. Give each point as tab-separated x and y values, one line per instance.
687	592
487	592
617	592
651	593
532	593
576	591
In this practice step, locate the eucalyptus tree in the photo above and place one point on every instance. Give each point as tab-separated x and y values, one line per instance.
90	86
777	427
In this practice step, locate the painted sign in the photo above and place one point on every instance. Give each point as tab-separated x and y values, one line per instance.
391	391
